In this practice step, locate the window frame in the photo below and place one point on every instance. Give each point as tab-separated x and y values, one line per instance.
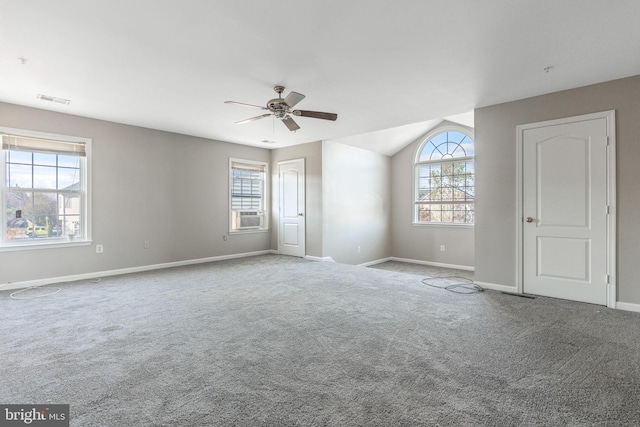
416	175
85	183
264	200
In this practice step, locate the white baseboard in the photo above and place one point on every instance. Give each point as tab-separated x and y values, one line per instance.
99	274
319	259
628	306
496	287
432	264
378	261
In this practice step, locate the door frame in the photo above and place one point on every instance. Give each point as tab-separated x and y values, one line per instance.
611	197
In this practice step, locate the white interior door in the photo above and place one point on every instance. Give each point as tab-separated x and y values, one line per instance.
291	224
565	208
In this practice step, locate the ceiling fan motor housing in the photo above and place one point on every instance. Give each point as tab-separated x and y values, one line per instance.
278	107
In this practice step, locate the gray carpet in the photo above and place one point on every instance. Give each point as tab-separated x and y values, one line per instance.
279	341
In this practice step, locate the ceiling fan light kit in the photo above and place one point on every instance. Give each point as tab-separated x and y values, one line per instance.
282	109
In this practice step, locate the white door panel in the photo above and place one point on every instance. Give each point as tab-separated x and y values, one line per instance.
575	254
291	224
290	234
565	203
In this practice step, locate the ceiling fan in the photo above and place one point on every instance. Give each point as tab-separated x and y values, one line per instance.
282	109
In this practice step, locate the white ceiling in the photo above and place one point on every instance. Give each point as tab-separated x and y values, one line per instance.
378	64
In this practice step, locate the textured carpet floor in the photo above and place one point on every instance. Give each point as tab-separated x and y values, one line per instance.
278	341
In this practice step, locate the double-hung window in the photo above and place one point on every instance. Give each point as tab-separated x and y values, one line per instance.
247	195
45	194
445	178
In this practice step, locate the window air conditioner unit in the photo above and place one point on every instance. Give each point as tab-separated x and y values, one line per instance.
246	219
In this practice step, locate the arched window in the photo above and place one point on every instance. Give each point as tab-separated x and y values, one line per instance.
445	178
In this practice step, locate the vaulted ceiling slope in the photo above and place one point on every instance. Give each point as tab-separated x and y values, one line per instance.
170	65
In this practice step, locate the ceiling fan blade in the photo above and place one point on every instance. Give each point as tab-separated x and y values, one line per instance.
290	123
293	98
252	119
316	114
246	105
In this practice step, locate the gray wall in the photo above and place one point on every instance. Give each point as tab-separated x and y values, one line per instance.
495	132
422	242
167	188
312	153
356	203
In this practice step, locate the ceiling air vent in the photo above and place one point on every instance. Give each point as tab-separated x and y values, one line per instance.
54	99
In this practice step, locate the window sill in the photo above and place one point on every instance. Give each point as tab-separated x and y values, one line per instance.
442	224
249	231
10	247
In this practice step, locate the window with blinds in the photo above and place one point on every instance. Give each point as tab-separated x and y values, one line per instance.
248	183
44	188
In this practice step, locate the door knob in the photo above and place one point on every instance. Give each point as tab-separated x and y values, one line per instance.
300	214
529	219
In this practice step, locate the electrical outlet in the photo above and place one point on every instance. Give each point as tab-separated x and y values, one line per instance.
146	244
358	249
441	248
99	249
224	237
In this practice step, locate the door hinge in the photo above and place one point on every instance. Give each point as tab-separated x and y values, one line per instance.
608	279
607	140
608	209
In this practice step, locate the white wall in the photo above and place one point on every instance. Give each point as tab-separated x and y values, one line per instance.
356	203
169	189
422	242
495	131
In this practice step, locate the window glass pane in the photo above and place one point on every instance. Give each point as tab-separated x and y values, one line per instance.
20	157
425	183
46	159
68	179
19	210
471	217
447	213
45	207
57	227
69	161
459	213
70	225
435	213
471	193
426	152
70	209
44	177
19	176
19	200
468	145
459	194
439	139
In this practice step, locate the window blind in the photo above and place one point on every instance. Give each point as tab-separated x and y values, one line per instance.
247	167
21	143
